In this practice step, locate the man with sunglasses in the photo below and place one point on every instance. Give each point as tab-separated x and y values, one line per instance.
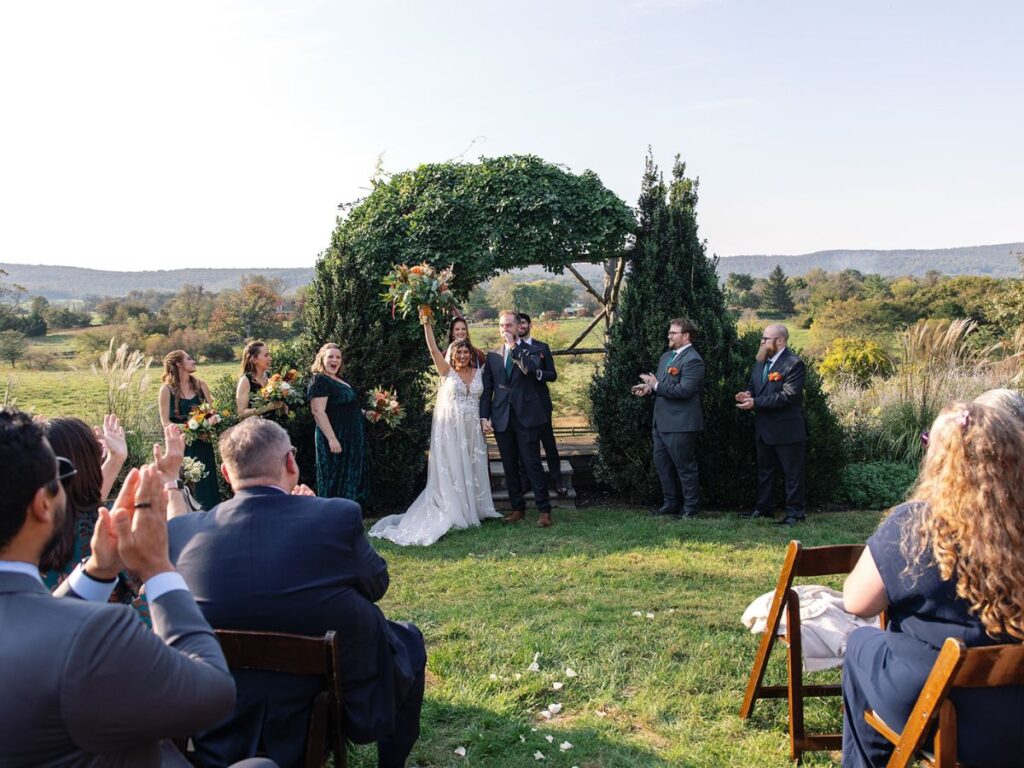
84	682
275	558
780	433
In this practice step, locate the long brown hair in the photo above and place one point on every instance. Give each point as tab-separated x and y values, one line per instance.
74	439
972	517
476	357
172	379
252	349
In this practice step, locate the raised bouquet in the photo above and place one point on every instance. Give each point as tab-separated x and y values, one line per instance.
384	406
281	388
193	470
202	423
421	288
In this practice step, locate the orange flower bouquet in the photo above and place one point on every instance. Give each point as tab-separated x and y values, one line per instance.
384	406
202	423
281	388
420	287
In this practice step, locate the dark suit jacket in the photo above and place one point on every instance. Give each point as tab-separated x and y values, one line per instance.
267	560
547	374
521	393
677	400
778	405
88	684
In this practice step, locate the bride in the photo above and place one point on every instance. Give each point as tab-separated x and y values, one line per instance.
458	492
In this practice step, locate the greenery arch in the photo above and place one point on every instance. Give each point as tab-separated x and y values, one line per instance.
483	218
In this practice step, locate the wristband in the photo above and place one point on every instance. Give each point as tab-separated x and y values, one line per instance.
174	485
89	576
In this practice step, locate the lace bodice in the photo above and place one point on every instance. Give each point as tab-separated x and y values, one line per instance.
453	390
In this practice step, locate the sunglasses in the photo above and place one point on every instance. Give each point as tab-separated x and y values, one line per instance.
65	471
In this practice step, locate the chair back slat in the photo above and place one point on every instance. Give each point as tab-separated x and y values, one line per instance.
991	667
274	652
827	561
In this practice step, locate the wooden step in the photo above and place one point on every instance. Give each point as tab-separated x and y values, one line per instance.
558	502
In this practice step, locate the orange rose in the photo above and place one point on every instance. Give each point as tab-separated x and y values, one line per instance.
417	270
673	371
774	376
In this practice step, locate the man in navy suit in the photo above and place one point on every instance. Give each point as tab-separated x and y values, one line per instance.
546	375
279	560
780	432
512	408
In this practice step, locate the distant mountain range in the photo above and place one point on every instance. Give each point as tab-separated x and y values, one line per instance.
57	283
990	260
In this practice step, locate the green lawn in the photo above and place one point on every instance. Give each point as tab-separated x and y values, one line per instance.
658	691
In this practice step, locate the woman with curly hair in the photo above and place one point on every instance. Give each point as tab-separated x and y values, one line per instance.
947	563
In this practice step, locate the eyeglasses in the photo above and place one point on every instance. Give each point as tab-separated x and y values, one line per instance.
771	338
675	333
65	471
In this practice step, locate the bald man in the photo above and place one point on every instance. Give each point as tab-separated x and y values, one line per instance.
776	396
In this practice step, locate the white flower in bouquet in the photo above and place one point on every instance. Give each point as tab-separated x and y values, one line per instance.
193	470
193	424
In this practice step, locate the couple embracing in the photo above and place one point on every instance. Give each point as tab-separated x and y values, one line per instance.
501	394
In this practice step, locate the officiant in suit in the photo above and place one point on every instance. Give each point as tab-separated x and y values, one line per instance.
512	407
678	419
775	396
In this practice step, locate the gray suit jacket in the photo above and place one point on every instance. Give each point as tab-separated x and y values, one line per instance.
677	399
88	684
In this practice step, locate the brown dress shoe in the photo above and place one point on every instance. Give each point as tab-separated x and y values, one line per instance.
545	520
514	516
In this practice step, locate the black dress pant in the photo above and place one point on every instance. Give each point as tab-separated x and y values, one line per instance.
675	460
518	443
790	459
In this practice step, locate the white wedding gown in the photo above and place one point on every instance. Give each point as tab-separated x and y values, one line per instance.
458	492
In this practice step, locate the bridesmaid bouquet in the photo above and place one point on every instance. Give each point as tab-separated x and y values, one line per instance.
384	406
281	388
192	470
202	423
421	287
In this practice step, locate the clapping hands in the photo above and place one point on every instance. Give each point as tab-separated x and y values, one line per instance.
111	437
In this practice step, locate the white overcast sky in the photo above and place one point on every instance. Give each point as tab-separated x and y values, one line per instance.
138	135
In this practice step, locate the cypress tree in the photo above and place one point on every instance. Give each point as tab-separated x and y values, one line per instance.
778	296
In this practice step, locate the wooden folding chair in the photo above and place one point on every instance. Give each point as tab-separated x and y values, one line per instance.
298	655
799	562
957	666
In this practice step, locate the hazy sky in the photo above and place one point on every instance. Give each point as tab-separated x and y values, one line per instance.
224	134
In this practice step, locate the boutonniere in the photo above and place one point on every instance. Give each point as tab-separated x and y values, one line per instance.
774	376
673	371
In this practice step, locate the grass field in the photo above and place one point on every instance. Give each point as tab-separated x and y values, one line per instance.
651	691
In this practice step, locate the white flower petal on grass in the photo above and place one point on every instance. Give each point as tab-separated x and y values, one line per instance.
493	676
538	755
650	615
533	730
517	676
460	751
550	738
522	738
545	714
570	672
556	686
534	666
565	746
554	709
637	613
602	713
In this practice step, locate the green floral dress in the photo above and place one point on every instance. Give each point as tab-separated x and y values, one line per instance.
346	474
206	491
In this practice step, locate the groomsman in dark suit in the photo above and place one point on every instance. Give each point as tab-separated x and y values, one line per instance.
545	375
780	432
511	408
678	419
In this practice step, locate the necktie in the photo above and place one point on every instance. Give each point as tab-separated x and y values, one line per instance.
508	364
764	371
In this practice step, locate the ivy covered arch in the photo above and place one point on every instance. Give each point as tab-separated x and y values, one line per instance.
483	218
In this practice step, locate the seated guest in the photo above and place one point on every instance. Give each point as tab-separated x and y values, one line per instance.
276	560
86	683
945	564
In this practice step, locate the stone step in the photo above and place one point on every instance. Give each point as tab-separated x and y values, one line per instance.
498	469
558	502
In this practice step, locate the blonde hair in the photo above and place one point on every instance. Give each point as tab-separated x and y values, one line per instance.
252	349
318	361
172	378
971	519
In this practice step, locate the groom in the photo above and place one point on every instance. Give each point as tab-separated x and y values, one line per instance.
511	407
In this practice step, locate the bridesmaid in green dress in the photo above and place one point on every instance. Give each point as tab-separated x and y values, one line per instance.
342	464
179	394
256	362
